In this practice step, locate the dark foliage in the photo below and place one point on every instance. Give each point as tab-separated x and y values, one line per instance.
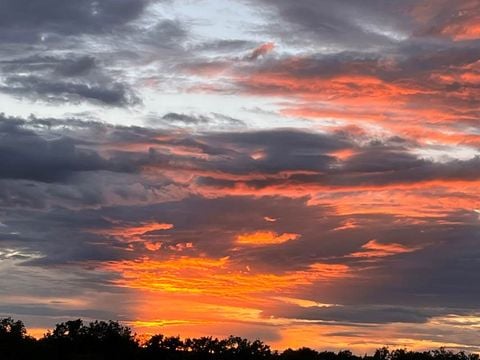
101	340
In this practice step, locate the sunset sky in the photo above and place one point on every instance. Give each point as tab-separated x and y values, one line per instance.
304	172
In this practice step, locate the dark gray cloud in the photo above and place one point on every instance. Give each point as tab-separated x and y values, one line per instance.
364	314
407	60
28	20
70	66
227	46
35	310
76	67
339	24
376	163
369	25
69	79
26	155
304	158
115	94
73	53
78	235
194	119
167	34
273	151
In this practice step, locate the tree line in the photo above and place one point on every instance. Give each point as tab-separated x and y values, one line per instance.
110	340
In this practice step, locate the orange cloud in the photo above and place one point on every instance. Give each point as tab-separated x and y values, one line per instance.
458	20
262	50
134	233
374	249
216	276
209	292
347	225
261	238
153	246
433	199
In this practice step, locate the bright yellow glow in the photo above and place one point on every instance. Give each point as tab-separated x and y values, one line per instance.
216	276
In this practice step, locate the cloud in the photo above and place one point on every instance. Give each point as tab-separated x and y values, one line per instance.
376	249
249	160
53	311
214	119
34	87
338	25
28	20
64	79
225	45
261	238
262	50
25	155
363	314
454	20
76	67
133	208
371	25
28	155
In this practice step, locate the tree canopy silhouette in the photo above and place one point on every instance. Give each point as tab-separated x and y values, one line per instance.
102	340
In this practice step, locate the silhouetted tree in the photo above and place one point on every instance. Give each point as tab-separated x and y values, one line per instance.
11	329
303	353
327	355
161	347
346	355
14	342
98	340
239	348
382	354
102	340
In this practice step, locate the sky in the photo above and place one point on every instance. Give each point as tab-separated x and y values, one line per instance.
304	172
